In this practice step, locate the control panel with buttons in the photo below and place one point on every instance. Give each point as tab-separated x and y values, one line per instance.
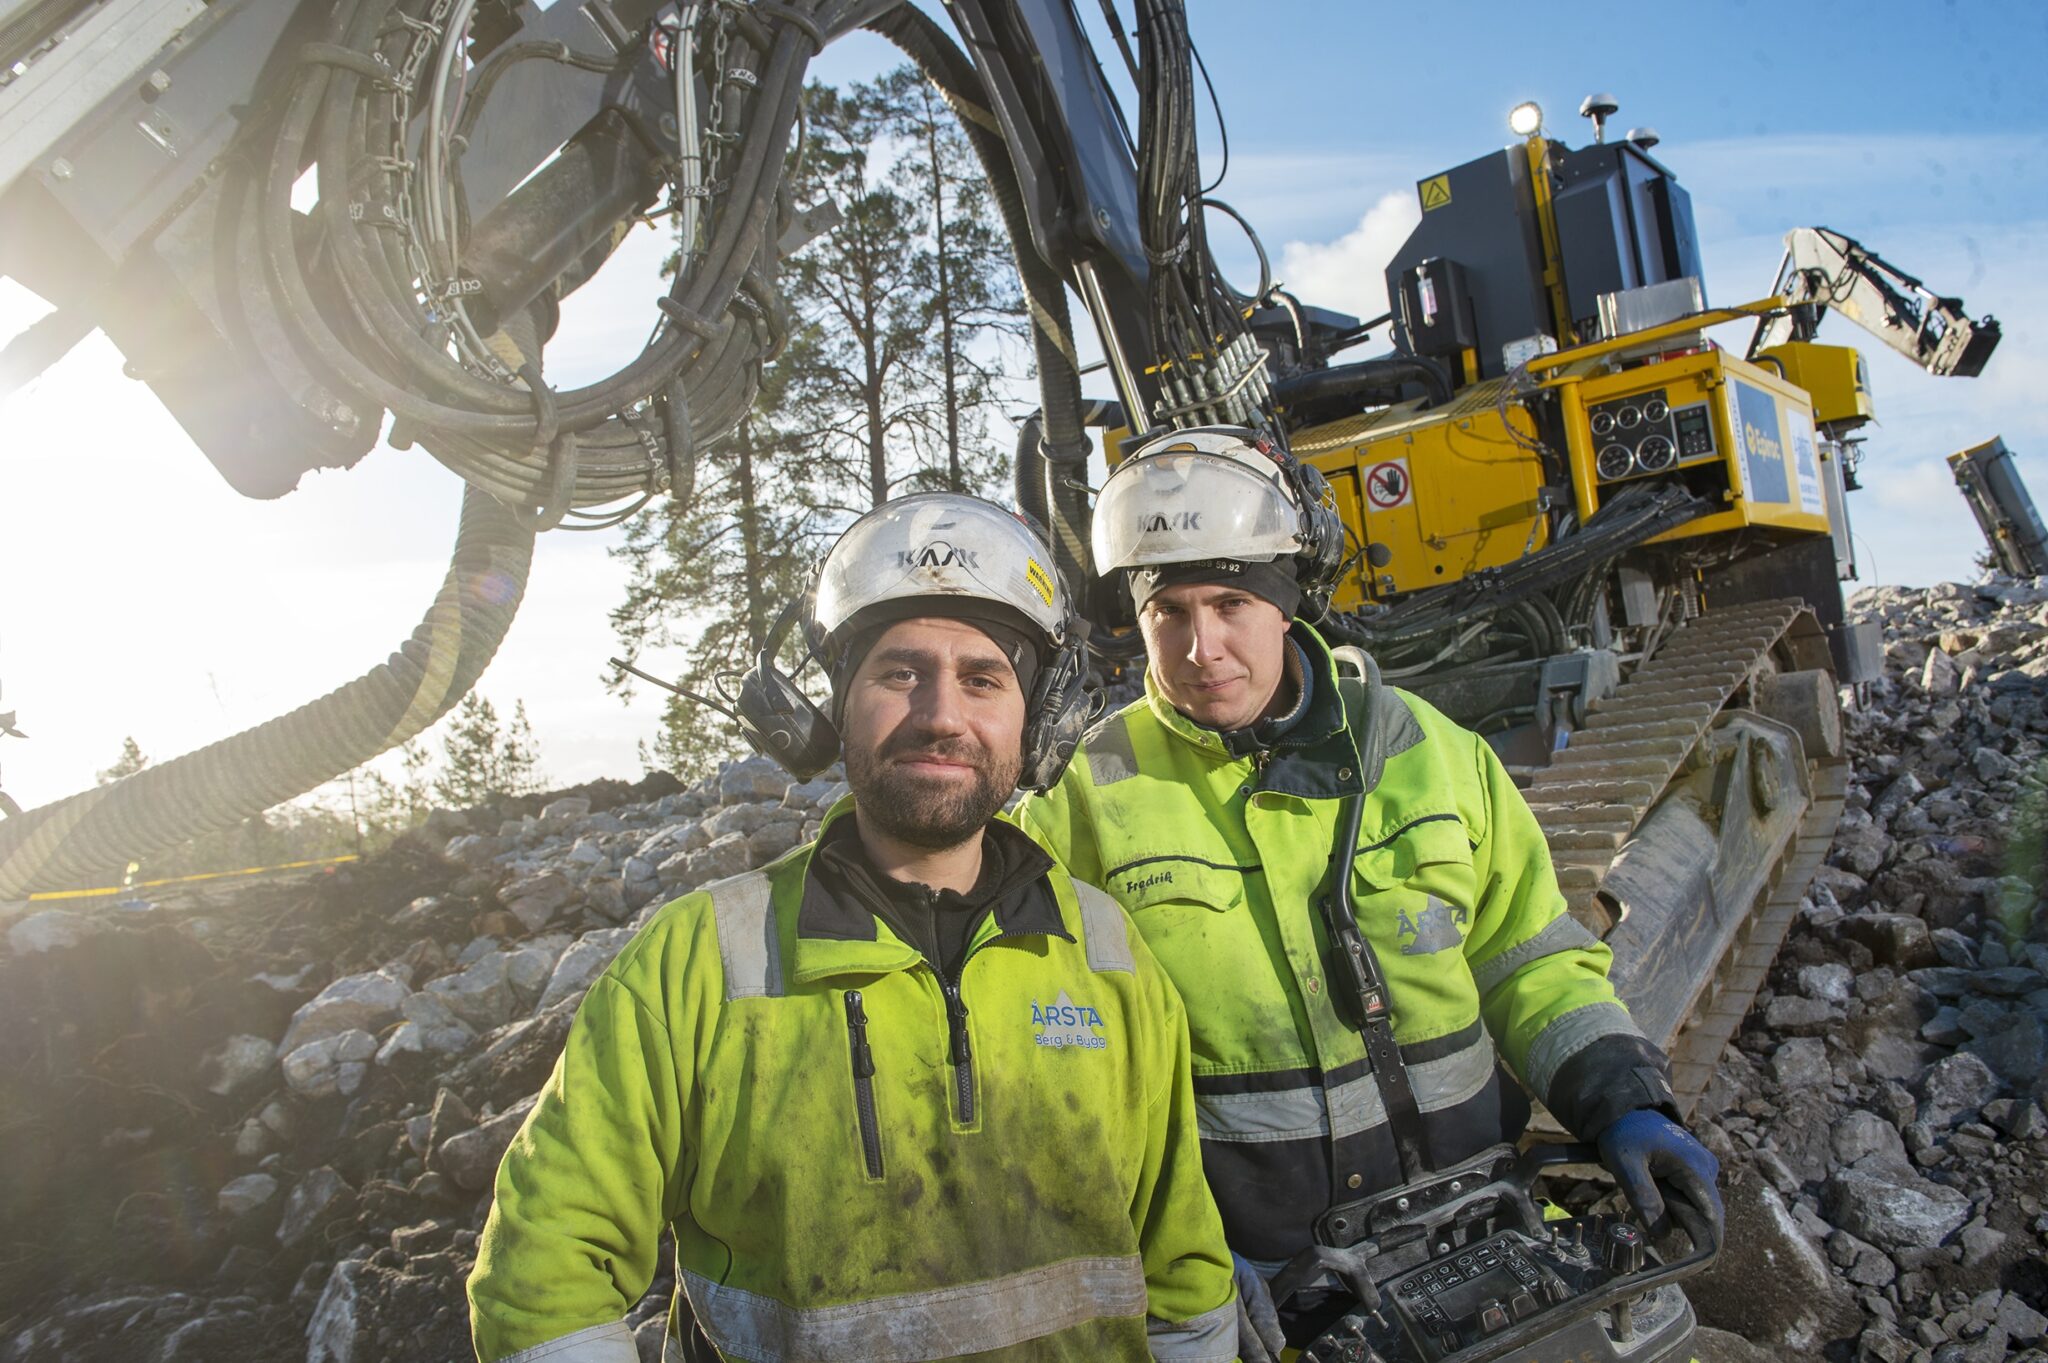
1464	1304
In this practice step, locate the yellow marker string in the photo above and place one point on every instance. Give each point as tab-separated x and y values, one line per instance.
186	880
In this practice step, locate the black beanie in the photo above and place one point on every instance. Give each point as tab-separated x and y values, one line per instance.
1005	629
1271	580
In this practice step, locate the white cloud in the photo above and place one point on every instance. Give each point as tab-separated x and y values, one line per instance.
1349	274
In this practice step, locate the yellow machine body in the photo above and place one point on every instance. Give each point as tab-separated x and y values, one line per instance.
1448	492
1445	492
1834	376
1738	434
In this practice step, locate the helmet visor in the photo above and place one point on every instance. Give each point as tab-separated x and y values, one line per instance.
1185	505
940	545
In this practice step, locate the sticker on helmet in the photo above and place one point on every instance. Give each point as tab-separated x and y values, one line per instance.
1040	581
937	554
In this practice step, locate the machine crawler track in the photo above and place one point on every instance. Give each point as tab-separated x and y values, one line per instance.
1724	810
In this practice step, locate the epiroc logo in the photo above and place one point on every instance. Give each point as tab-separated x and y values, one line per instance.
1063	1023
1178	520
937	554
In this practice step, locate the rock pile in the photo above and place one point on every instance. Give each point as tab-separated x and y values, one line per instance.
1880	1116
265	1127
285	1120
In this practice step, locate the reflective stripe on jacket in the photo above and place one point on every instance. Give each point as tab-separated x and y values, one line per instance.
856	1166
1221	860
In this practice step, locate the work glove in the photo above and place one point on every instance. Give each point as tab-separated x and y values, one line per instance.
1259	1338
1650	1155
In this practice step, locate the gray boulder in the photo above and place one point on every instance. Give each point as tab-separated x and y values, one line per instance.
1954	1089
331	1065
727	856
566	808
1772	1285
581	964
332	1332
472	1158
368	1002
249	1193
1857	1136
235	1063
741	819
1791	1015
479	993
755	778
535	900
1830	983
1893	1207
316	1197
1802	1063
1895	939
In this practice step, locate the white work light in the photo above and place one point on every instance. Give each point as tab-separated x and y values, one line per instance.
1525	119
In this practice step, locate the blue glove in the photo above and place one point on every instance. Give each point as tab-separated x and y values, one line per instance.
1259	1338
1649	1154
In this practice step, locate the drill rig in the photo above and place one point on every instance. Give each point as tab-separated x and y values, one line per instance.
1576	523
1582	527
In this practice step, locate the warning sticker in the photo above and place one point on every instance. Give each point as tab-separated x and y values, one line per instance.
1388	486
1435	191
1040	581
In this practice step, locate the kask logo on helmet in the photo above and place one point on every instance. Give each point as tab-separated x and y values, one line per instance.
1178	520
938	554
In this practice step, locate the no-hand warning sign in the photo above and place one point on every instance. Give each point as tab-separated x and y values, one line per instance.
1388	486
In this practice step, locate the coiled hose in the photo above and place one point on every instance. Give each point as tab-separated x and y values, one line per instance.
73	841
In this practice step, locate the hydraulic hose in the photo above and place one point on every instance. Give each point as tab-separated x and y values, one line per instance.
72	841
1366	381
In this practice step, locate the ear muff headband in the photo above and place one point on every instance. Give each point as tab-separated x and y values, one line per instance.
1322	531
1057	713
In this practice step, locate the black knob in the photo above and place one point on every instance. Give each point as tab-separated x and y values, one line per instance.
1624	1249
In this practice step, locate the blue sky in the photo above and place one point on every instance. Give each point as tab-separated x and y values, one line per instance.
173	610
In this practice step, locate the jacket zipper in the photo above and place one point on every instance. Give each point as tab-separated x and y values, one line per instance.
864	1082
962	1050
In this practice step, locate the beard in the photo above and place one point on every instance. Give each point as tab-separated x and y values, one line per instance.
927	812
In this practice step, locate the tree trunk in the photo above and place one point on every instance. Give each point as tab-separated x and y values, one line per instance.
954	480
753	552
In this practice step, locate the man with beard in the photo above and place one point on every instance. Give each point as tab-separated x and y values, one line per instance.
908	1092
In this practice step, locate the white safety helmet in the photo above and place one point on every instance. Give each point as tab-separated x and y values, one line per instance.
1217	492
934	553
938	544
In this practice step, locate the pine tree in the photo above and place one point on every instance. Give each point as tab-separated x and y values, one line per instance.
482	762
519	755
884	385
858	299
128	763
966	270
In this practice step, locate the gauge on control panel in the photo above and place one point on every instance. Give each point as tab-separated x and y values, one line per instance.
1655	410
1602	424
1615	461
1655	454
1628	418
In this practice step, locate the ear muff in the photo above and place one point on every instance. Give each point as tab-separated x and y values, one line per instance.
777	719
1322	533
1055	717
